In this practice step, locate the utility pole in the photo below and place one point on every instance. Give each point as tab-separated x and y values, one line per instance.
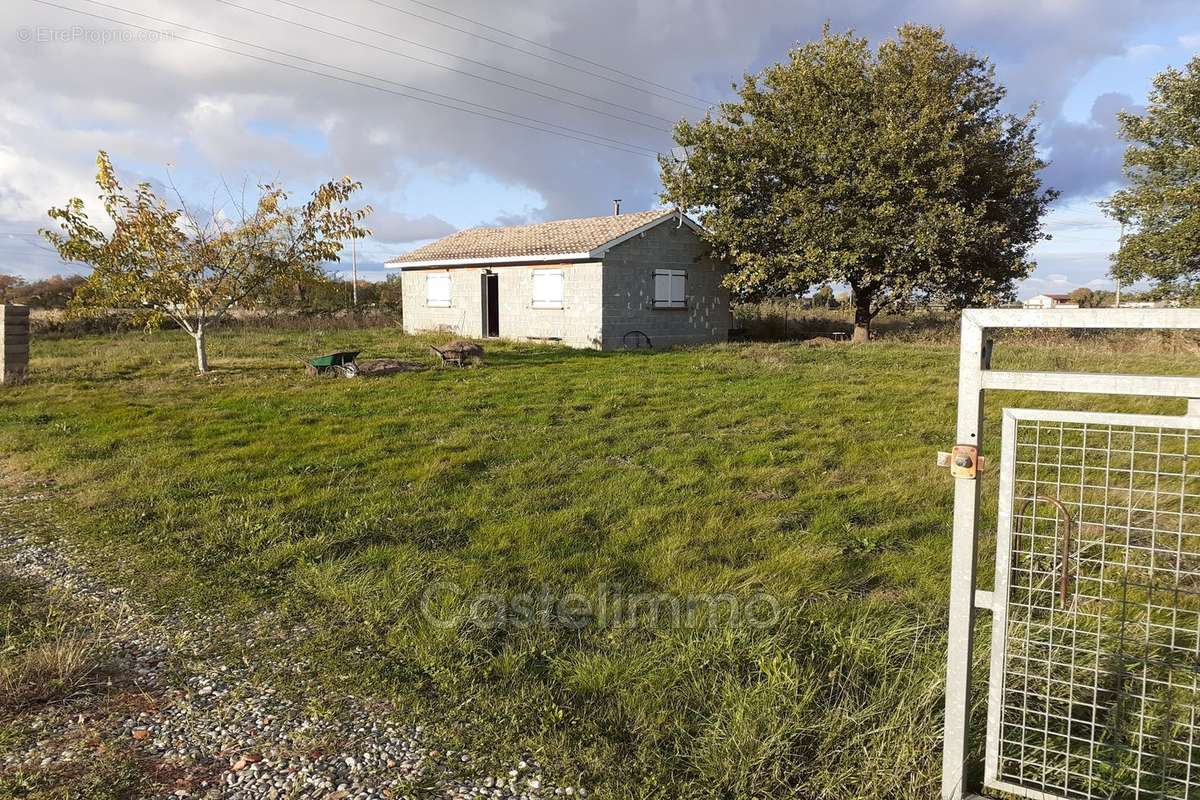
1117	278
354	270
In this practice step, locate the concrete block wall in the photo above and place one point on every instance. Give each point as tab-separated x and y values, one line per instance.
629	290
14	343
463	309
576	324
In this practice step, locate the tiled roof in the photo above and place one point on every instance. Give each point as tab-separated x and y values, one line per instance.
543	239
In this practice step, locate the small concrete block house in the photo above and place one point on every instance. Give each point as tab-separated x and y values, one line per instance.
602	282
1050	301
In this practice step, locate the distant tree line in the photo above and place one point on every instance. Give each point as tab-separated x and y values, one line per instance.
329	293
1105	298
824	297
315	294
53	292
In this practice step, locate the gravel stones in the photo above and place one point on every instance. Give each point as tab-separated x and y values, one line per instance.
213	729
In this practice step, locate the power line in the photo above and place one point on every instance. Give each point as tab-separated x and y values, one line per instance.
451	54
544	58
556	50
633	149
26	240
360	74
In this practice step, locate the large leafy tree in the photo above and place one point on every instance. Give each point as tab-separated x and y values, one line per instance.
175	263
1162	200
892	171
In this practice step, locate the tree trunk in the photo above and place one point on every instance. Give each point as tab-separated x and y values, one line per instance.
201	353
862	317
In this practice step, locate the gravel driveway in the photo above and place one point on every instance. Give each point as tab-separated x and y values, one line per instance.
202	728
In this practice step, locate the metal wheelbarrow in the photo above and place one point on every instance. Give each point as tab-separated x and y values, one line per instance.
343	363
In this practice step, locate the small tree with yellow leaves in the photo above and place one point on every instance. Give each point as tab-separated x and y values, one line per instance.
168	263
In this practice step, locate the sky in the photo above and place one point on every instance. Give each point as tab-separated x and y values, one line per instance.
457	113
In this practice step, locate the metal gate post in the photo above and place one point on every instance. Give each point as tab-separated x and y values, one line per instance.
972	352
976	377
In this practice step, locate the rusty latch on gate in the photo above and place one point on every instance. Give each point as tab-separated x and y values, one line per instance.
964	461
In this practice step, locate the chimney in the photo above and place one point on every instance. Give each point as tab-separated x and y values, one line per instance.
617	207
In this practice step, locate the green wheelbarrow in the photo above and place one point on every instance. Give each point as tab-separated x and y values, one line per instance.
342	363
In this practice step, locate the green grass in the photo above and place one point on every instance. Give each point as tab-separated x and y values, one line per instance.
805	473
49	649
111	774
52	649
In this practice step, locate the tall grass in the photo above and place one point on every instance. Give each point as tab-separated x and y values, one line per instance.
49	649
789	320
805	474
56	324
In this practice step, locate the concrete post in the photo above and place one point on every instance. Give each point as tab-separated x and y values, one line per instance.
14	343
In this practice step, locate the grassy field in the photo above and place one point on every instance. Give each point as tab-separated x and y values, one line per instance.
787	473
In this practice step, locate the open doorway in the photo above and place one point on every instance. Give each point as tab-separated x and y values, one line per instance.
489	284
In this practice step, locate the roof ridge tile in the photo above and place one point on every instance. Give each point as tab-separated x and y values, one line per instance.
539	239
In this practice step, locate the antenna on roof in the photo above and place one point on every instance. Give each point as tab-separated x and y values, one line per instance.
617	207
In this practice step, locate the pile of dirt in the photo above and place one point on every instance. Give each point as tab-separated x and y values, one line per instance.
373	367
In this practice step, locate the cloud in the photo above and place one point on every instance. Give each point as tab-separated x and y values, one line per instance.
1190	40
1085	158
396	228
28	257
217	114
1144	50
1080	224
226	131
507	219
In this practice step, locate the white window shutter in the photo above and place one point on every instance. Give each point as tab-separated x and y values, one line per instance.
437	289
548	288
678	288
662	288
670	288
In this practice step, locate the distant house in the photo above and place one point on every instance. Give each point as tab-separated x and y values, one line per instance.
1050	301
599	282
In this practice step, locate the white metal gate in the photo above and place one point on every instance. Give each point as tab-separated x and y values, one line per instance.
1096	633
1095	661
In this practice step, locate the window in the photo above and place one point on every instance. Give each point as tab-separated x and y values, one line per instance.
437	289
669	287
547	288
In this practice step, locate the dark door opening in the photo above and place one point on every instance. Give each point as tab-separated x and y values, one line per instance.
489	285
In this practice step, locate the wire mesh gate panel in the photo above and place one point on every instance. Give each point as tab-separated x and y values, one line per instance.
1095	657
1096	641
